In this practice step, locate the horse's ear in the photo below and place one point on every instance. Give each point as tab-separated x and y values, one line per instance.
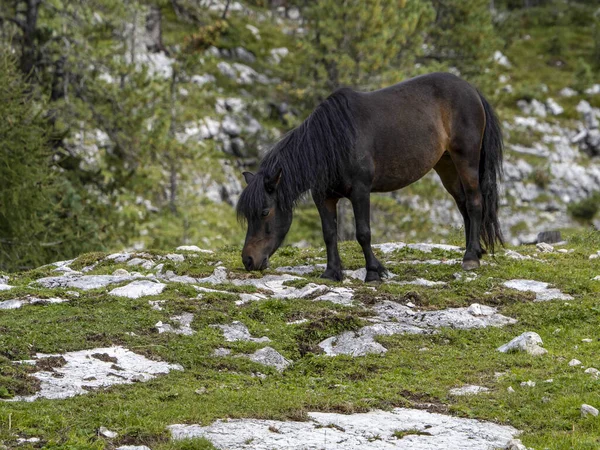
248	176
271	183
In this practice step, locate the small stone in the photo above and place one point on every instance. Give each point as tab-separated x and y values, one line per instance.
595	373
529	342
201	391
588	410
587	340
192	248
510	389
549	380
528	383
120	273
270	357
469	389
107	433
544	248
574	362
133	447
515	444
545	399
221	352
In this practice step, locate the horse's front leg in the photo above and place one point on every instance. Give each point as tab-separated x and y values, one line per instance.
328	211
361	203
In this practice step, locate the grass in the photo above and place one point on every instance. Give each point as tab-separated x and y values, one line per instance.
404	376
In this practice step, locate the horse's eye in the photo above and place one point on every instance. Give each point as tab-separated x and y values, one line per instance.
265	212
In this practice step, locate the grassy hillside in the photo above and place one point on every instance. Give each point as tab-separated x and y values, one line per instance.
416	371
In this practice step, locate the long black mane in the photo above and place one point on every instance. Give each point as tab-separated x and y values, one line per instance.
311	156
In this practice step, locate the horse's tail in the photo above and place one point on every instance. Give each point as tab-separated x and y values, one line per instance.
490	174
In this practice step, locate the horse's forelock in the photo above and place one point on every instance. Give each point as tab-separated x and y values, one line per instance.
252	199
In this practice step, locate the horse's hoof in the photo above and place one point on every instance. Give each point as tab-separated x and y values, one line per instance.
372	276
333	275
470	264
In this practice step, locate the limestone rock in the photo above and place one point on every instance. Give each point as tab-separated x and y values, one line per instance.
139	289
588	410
529	342
373	430
237	331
270	357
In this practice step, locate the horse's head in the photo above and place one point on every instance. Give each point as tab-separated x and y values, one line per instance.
268	222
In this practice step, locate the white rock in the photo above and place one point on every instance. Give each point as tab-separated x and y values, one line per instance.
554	107
427	248
302	269
175	257
421	282
255	31
120	273
270	357
11	304
528	383
595	89
529	342
136	261
469	389
277	54
133	447
374	430
84	282
237	331
510	389
157	305
5	287
192	248
219	276
83	371
587	340
544	247
394	318
107	433
588	410
501	59
119	257
541	289
226	69
567	92
574	362
390	247
139	289
185	325
221	352
515	444
340	296
595	373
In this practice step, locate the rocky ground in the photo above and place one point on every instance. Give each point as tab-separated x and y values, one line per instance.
185	350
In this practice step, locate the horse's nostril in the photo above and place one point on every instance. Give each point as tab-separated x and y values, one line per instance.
248	262
264	264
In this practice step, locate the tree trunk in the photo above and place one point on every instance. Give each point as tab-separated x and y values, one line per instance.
29	51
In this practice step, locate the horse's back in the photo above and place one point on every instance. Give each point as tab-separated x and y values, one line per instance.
407	127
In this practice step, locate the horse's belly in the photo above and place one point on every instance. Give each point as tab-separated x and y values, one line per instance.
397	172
388	182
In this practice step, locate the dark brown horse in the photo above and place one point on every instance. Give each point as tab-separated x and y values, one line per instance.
356	143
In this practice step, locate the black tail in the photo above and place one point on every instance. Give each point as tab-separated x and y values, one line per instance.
490	174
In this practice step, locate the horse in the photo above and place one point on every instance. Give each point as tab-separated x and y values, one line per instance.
355	143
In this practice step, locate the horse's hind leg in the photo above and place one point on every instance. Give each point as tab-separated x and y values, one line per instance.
361	203
466	160
447	172
328	211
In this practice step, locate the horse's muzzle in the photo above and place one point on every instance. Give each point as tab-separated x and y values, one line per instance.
250	264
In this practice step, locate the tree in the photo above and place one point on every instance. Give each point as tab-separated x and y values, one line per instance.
359	43
463	35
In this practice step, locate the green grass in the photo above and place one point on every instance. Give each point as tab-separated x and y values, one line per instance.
548	413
